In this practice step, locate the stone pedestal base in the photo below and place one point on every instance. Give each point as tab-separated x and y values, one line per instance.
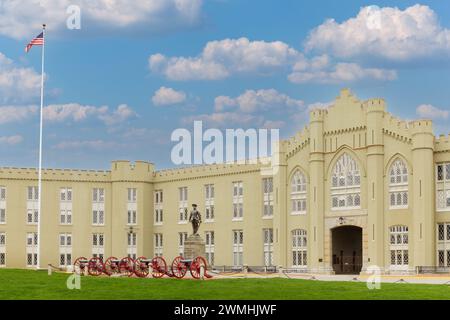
194	246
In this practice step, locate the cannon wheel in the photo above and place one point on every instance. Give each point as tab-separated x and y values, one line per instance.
141	269
111	266
78	267
179	268
196	266
159	267
95	266
126	266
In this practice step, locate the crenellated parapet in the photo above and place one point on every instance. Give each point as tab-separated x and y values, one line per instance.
298	142
317	115
442	143
355	129
126	171
422	134
375	105
203	171
72	175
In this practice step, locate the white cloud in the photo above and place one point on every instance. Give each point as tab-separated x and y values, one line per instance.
71	111
67	112
86	144
121	114
11	140
12	114
384	32
253	108
168	96
17	84
319	105
223	58
251	101
20	19
274	124
341	72
223	102
76	112
431	112
225	119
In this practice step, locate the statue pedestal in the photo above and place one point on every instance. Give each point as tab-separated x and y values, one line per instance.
194	246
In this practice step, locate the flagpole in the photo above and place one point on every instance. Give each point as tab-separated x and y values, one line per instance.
40	154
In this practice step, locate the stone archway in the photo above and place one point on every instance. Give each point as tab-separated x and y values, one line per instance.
347	249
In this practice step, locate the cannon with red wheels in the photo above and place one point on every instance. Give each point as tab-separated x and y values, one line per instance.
124	266
80	265
142	267
112	266
180	267
93	266
157	266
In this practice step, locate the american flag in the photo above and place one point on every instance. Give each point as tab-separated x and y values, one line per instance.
38	41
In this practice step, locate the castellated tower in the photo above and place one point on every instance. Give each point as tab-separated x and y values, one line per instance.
422	200
139	176
316	184
375	111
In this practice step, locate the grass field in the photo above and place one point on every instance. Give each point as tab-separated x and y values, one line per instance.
27	284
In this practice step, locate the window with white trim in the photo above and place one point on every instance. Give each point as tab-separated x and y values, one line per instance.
399	247
158	218
443	244
98	245
65	206
345	184
267	185
209	203
238	248
238	200
398	185
158	245
209	247
32	205
2	205
98	206
182	236
132	206
299	248
2	249
31	249
131	217
132	245
132	194
443	187
65	249
268	247
298	193
183	205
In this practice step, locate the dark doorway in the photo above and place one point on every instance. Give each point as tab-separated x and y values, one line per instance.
347	249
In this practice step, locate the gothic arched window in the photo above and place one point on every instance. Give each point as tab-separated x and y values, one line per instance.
345	184
398	185
298	193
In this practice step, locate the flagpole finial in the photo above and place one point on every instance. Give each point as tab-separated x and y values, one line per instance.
44	25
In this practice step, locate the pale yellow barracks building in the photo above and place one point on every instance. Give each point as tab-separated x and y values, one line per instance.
356	187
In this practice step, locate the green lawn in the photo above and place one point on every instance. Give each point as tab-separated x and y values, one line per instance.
27	284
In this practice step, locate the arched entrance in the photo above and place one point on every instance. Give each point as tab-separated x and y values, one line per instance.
346	249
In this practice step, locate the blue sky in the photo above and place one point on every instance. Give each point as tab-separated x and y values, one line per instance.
133	73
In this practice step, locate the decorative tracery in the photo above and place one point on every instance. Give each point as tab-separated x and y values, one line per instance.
298	193
345	184
398	184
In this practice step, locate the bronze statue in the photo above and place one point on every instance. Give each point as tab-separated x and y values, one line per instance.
195	218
